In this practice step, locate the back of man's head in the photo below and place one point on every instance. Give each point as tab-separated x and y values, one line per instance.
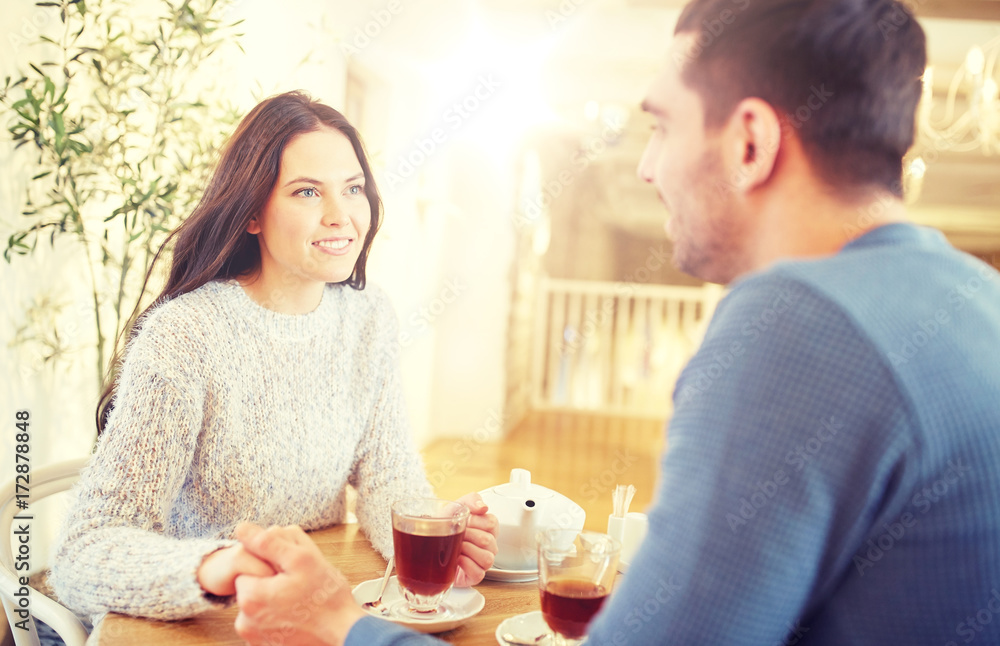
845	75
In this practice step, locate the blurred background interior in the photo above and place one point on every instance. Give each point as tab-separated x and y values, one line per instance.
541	321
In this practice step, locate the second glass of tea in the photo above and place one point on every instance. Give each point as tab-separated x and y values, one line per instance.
427	536
576	570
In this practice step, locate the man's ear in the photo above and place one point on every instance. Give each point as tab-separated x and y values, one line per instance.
752	141
253	228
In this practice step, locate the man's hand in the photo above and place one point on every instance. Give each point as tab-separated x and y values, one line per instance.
307	602
480	546
218	570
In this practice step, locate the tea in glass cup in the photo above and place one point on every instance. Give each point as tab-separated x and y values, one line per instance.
427	536
576	571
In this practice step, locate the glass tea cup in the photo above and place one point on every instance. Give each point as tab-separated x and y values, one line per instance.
576	570
427	536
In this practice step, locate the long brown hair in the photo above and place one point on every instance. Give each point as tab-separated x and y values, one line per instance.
213	243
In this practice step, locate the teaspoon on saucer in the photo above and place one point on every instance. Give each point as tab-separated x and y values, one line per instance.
377	604
524	641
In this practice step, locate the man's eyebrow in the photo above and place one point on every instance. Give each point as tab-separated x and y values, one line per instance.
652	109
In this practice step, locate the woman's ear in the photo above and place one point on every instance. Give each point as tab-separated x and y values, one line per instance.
253	228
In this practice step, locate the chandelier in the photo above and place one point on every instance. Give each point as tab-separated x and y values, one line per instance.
967	119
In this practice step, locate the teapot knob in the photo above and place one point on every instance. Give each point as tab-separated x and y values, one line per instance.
520	478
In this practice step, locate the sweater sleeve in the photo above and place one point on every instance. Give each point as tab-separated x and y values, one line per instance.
111	555
786	434
387	467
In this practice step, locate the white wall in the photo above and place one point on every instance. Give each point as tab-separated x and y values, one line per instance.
469	375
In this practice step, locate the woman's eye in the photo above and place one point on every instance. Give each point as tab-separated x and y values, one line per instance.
356	189
307	192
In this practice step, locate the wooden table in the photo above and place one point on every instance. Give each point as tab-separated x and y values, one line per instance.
596	453
349	550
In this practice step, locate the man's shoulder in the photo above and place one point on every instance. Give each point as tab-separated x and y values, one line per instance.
893	268
771	301
774	332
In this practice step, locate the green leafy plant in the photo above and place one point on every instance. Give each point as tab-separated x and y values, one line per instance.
124	121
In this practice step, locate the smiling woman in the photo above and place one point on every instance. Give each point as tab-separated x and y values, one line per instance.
260	384
313	226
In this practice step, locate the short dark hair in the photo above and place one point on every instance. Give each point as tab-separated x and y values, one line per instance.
845	74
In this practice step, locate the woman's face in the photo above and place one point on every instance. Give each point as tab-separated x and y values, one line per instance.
313	226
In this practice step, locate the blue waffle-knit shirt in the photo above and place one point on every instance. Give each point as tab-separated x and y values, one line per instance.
833	472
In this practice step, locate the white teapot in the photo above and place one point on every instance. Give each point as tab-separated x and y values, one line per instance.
524	509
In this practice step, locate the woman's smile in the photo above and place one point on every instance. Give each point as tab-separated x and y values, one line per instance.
334	246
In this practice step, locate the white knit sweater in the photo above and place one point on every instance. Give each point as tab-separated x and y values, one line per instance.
226	411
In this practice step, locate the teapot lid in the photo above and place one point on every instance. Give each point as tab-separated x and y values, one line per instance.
520	485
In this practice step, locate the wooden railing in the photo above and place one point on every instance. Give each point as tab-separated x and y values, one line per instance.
614	348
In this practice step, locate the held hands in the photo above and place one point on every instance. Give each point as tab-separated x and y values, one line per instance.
308	601
480	546
218	570
302	599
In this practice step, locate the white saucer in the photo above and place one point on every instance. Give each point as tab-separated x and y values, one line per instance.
511	576
529	626
464	602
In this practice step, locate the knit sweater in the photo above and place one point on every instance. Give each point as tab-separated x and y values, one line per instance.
226	412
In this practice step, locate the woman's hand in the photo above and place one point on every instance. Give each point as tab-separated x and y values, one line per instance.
308	603
480	546
218	570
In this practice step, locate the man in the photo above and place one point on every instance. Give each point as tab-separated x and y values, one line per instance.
833	475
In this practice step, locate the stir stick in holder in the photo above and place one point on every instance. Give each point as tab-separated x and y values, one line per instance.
621	498
628	528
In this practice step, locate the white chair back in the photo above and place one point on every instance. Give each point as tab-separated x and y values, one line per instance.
43	482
